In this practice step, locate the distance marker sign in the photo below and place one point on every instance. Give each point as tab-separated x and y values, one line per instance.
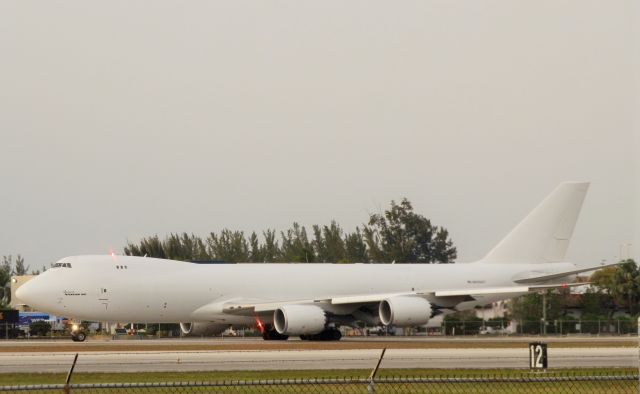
538	355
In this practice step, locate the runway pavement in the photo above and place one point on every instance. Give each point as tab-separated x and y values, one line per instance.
130	344
176	361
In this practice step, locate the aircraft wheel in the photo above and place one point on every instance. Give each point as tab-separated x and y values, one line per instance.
273	335
79	337
330	334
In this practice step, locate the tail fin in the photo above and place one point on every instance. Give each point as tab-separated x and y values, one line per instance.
543	236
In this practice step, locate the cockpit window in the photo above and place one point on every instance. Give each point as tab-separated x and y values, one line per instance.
63	265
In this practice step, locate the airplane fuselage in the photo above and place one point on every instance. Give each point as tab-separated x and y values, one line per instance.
140	289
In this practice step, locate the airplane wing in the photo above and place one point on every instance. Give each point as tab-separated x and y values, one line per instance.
504	290
537	276
252	307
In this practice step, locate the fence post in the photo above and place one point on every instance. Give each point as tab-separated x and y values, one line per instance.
544	313
67	389
521	327
560	327
371	388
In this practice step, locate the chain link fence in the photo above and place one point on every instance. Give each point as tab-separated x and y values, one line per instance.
560	327
524	382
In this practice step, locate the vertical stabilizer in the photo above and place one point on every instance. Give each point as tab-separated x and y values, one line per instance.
543	236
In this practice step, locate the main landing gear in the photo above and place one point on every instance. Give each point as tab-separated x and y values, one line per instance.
330	334
270	334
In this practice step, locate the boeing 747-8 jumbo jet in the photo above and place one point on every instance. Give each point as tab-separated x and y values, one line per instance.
311	300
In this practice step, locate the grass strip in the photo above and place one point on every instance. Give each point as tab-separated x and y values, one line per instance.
139	377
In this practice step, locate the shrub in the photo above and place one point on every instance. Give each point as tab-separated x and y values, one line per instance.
39	328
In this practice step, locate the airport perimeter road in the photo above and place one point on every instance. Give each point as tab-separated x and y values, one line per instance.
141	361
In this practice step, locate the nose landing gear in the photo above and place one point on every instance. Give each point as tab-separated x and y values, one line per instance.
77	333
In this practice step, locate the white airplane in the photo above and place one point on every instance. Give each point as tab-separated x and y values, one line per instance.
311	300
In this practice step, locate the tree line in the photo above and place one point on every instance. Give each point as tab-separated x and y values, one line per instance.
398	234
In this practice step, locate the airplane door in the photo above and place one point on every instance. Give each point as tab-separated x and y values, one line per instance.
103	297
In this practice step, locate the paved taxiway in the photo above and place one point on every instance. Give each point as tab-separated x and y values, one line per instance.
212	360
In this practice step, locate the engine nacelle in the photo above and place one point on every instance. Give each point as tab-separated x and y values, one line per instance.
405	311
202	329
299	320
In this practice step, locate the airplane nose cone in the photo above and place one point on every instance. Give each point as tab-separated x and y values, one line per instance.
21	292
28	292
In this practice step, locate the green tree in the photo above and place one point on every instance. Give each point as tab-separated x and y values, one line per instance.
5	270
597	303
132	249
621	283
404	236
255	251
334	242
39	328
149	246
528	310
199	251
175	249
5	277
270	250
462	323
399	234
328	243
296	246
20	268
229	246
319	245
355	248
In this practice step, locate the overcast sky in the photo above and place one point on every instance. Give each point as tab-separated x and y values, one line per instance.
124	119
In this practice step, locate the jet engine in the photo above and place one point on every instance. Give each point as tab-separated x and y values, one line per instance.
202	329
299	320
405	311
